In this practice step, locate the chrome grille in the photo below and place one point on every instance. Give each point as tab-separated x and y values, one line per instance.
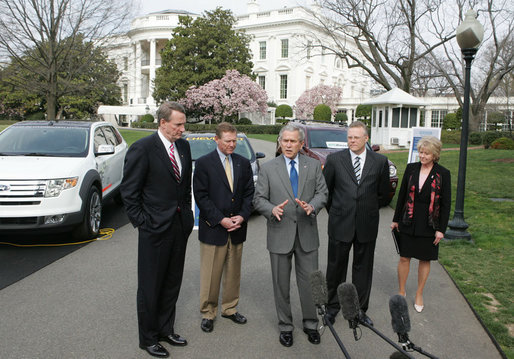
22	189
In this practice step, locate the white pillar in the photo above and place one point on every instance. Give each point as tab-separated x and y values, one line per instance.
137	74
153	55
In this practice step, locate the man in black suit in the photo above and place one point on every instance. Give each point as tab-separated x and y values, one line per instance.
358	183
156	190
223	189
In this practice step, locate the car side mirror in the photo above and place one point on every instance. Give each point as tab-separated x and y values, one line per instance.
259	155
104	150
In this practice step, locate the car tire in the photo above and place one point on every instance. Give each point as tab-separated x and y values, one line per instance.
90	226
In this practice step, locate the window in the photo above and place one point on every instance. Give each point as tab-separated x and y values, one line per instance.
285	48
283	86
125	63
396	117
262	50
413	117
437	118
309	47
262	82
405	118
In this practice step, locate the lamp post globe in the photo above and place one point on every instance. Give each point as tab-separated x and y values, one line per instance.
470	34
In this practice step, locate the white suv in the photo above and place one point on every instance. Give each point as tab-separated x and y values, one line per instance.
55	174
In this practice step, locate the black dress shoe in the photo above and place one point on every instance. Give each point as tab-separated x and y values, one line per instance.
236	318
207	325
156	350
286	338
174	339
312	335
363	318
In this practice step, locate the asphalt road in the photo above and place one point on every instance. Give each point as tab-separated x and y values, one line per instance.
83	306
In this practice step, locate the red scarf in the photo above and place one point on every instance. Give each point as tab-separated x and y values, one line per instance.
433	208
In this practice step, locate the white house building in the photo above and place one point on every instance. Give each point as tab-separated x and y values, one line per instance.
284	46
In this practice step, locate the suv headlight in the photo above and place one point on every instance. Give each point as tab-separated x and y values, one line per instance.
392	170
54	187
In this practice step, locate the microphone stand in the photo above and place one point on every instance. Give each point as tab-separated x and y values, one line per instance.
397	347
407	344
326	322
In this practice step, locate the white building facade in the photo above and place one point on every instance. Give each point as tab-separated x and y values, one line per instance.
285	51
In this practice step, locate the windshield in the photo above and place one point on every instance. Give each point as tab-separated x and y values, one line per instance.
328	138
202	145
44	141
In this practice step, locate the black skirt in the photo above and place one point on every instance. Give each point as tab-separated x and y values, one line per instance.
421	248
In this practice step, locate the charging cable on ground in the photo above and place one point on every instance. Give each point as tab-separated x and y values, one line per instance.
104	234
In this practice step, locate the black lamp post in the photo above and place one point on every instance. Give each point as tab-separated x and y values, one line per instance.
469	36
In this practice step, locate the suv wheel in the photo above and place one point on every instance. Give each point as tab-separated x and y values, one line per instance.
90	226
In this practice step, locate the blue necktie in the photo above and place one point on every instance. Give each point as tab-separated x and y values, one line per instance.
293	177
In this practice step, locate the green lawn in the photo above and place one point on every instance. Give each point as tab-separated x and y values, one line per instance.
484	269
132	136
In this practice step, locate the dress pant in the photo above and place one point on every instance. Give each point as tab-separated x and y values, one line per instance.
362	271
305	264
160	267
218	261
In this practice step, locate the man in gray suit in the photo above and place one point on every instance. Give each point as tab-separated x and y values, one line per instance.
290	192
358	184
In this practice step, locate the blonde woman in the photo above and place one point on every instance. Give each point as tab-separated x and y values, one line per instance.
422	214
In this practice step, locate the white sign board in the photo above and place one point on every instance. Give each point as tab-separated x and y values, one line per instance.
417	134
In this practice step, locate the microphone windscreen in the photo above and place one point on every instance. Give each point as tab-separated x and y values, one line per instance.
349	300
399	314
319	288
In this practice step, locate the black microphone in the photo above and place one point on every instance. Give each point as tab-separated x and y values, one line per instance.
319	291
401	323
400	318
350	307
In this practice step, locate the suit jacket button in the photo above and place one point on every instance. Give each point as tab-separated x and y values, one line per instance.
232	200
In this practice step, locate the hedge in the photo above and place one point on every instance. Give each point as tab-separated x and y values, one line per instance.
503	143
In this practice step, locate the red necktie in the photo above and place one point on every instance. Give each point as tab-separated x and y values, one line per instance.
174	162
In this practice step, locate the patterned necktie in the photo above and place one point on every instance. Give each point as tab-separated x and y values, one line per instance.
228	172
357	168
174	162
293	177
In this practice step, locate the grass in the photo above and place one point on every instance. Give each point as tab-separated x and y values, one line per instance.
483	269
132	136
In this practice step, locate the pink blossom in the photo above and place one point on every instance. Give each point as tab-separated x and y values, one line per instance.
321	94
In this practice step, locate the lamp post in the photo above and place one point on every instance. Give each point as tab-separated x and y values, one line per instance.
469	36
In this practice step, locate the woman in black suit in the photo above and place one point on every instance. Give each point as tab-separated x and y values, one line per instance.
422	214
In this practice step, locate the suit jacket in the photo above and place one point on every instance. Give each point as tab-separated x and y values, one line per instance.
216	201
274	187
354	207
420	225
150	191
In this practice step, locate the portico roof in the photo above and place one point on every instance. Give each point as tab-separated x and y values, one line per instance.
395	97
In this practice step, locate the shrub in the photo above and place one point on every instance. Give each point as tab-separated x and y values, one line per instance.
36	116
271	104
284	111
140	124
244	121
475	138
341	117
503	143
450	122
146	118
261	129
322	113
489	137
282	120
450	137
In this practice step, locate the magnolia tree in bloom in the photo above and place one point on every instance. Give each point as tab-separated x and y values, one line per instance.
223	98
321	94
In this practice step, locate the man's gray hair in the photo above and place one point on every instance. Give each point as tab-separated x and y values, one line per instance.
290	127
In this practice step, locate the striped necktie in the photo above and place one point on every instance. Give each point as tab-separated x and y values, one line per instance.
174	162
357	168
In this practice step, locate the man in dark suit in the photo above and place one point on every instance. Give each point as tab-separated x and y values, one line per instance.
223	189
358	183
290	192
156	190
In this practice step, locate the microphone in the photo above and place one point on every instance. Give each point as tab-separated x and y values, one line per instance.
320	296
350	307
319	291
400	322
400	318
